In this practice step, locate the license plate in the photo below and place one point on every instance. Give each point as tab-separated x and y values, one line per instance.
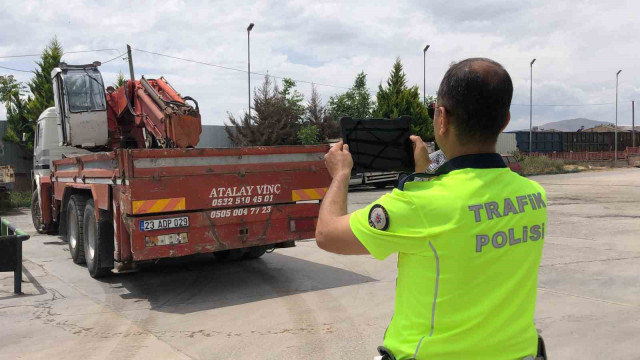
161	224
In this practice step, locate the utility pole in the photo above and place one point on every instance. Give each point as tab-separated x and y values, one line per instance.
531	107
633	123
249	28
424	75
133	77
615	136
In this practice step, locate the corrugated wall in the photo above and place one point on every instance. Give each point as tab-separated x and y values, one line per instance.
506	143
214	136
20	159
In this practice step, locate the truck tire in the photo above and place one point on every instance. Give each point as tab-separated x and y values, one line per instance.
255	252
75	224
229	255
36	216
98	240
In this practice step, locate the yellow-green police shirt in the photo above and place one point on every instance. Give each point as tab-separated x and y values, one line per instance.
469	243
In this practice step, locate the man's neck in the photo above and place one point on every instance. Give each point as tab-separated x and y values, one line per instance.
469	150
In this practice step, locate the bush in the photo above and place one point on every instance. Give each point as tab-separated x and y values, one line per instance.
20	199
308	135
538	165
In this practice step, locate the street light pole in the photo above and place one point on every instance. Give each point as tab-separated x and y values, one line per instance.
249	28
615	136
424	75
531	106
633	122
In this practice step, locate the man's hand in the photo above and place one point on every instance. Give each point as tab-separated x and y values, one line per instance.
420	154
338	161
333	232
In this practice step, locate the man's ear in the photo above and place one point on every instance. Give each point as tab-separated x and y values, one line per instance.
506	122
444	123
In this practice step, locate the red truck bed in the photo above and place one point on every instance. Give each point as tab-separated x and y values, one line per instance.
207	200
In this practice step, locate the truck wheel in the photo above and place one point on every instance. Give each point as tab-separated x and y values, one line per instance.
36	216
255	252
229	255
75	223
98	235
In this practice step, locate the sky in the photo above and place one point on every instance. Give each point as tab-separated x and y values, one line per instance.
579	47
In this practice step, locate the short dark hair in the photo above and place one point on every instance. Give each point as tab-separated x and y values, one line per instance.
477	93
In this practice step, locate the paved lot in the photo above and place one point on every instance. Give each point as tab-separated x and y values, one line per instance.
303	303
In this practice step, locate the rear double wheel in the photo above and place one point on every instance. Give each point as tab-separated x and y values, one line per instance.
75	227
98	241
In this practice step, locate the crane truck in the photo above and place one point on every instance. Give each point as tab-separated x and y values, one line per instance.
117	174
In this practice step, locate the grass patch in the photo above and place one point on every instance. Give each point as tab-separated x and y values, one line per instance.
19	199
539	165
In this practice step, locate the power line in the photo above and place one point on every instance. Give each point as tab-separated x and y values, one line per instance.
108	61
12	69
64	53
30	71
238	70
600	104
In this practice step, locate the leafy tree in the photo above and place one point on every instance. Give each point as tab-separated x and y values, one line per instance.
397	99
274	121
12	95
23	111
319	116
293	97
355	102
308	135
40	85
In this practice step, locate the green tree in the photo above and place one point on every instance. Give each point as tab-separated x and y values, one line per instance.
355	102
294	99
119	80
397	99
318	115
12	95
40	85
308	135
274	121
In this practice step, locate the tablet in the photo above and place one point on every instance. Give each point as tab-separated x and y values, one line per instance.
379	144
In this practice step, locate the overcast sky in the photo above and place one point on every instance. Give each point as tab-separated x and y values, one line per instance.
579	46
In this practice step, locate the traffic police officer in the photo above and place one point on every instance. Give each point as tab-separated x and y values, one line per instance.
469	240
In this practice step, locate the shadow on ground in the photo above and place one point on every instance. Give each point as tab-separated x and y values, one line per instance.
199	282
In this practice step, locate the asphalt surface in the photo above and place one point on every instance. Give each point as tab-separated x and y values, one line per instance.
303	303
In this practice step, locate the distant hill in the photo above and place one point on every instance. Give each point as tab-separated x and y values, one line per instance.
571	124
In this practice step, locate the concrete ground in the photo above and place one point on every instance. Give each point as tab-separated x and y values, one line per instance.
303	303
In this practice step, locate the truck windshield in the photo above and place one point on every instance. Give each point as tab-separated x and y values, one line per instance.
85	90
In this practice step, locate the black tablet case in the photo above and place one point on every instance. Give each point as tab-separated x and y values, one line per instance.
379	144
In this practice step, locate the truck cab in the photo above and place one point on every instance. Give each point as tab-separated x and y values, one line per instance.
47	148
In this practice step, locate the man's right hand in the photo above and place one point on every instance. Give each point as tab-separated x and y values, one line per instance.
420	154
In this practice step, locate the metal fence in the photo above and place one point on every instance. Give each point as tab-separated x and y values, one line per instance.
11	239
590	155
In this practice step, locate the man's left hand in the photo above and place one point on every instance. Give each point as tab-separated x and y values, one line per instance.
338	160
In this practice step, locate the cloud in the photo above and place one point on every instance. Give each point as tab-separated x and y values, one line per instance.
578	45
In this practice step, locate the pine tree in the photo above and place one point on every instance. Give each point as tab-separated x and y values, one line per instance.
274	121
319	116
119	80
41	86
396	99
